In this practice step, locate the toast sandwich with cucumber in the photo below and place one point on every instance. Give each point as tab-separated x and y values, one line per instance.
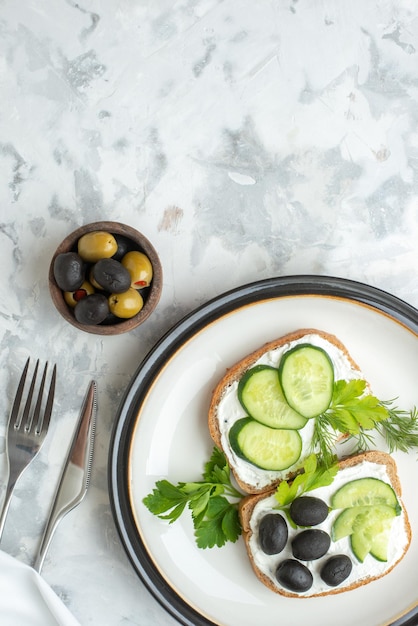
344	534
280	418
295	395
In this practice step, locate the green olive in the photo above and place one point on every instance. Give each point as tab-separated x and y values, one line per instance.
140	268
127	304
72	297
97	245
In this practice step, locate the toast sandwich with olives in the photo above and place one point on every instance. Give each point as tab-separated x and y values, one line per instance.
264	411
338	537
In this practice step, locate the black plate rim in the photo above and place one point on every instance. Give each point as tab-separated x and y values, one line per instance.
276	287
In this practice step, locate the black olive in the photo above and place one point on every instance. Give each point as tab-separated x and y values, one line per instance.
111	275
124	245
92	309
336	569
272	533
69	271
111	319
308	511
310	544
294	576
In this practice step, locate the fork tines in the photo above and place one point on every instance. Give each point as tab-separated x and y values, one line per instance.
28	418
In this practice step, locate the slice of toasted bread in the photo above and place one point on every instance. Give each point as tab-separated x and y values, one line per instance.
220	418
364	465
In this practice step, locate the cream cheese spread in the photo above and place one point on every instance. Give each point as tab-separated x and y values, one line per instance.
368	569
230	410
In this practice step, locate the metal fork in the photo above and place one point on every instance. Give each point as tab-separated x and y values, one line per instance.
26	430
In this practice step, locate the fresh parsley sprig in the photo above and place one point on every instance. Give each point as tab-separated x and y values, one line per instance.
315	474
215	516
357	414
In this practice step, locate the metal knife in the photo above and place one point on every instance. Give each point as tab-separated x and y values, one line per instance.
75	476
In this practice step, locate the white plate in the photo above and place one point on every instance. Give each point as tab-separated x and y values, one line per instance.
161	432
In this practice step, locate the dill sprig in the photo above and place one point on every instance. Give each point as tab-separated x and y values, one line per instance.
360	415
400	429
324	438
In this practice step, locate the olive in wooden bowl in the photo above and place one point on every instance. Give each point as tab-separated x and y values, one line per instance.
105	278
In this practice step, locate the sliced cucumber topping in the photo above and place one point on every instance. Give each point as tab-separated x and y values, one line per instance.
307	379
369	508
261	395
380	544
357	518
361	544
365	492
267	448
372	538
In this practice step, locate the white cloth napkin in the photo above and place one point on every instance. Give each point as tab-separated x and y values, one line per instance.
26	599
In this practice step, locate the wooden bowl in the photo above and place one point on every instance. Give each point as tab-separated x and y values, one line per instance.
151	295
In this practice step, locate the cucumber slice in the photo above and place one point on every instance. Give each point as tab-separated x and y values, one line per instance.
380	544
369	530
343	525
365	492
266	448
357	518
307	379
372	538
261	395
361	544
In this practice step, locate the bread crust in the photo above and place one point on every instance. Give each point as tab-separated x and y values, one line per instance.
236	372
247	507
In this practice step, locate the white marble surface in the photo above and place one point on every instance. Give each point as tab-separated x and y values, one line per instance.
245	140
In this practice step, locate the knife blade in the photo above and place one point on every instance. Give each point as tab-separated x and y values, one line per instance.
75	475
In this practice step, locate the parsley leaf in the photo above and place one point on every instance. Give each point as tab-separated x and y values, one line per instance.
315	474
164	497
217	466
351	410
215	518
220	525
